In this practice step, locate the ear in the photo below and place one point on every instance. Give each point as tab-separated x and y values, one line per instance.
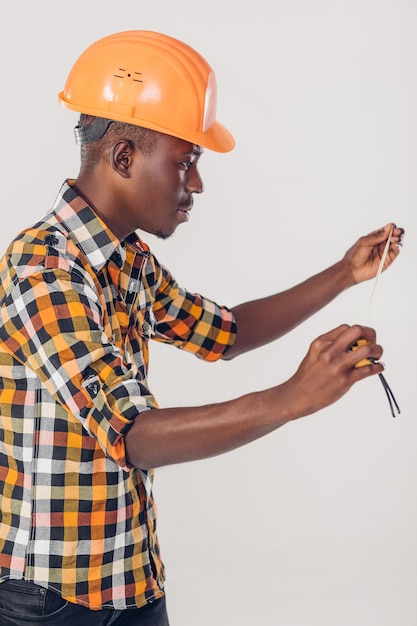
121	157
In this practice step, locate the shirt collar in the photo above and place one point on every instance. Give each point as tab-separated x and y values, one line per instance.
89	232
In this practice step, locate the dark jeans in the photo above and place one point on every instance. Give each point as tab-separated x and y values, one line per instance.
23	603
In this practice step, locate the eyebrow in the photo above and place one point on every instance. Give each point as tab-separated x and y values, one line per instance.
196	151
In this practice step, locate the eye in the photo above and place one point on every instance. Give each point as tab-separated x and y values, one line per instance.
186	165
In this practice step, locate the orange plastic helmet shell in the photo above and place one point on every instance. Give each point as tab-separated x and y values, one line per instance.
151	80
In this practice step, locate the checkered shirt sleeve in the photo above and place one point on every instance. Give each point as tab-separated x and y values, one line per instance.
190	321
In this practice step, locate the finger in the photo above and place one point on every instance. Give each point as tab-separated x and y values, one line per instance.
333	334
359	373
359	348
353	334
362	358
381	234
397	237
343	337
342	341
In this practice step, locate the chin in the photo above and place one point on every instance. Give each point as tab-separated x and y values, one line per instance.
161	235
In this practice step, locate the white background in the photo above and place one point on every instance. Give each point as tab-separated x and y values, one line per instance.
314	525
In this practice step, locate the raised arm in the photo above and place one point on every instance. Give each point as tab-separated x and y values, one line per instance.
264	320
175	435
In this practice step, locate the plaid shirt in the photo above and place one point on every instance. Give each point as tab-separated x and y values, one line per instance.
78	308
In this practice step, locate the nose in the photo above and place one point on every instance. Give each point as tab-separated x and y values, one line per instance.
194	182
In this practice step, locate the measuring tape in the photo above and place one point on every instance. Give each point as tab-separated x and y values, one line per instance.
388	391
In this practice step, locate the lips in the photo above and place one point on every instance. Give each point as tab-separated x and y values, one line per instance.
183	214
183	211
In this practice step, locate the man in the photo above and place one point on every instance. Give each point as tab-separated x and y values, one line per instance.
82	294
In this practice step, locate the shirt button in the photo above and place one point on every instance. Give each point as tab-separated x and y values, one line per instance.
116	257
92	389
51	240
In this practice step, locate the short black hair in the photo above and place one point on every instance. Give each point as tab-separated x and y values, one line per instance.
143	138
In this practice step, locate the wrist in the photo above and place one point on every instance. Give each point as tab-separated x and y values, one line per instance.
343	275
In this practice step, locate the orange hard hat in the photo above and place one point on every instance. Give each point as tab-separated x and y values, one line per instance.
151	80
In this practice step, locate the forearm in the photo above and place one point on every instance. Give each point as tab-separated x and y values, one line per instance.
264	320
176	435
165	436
